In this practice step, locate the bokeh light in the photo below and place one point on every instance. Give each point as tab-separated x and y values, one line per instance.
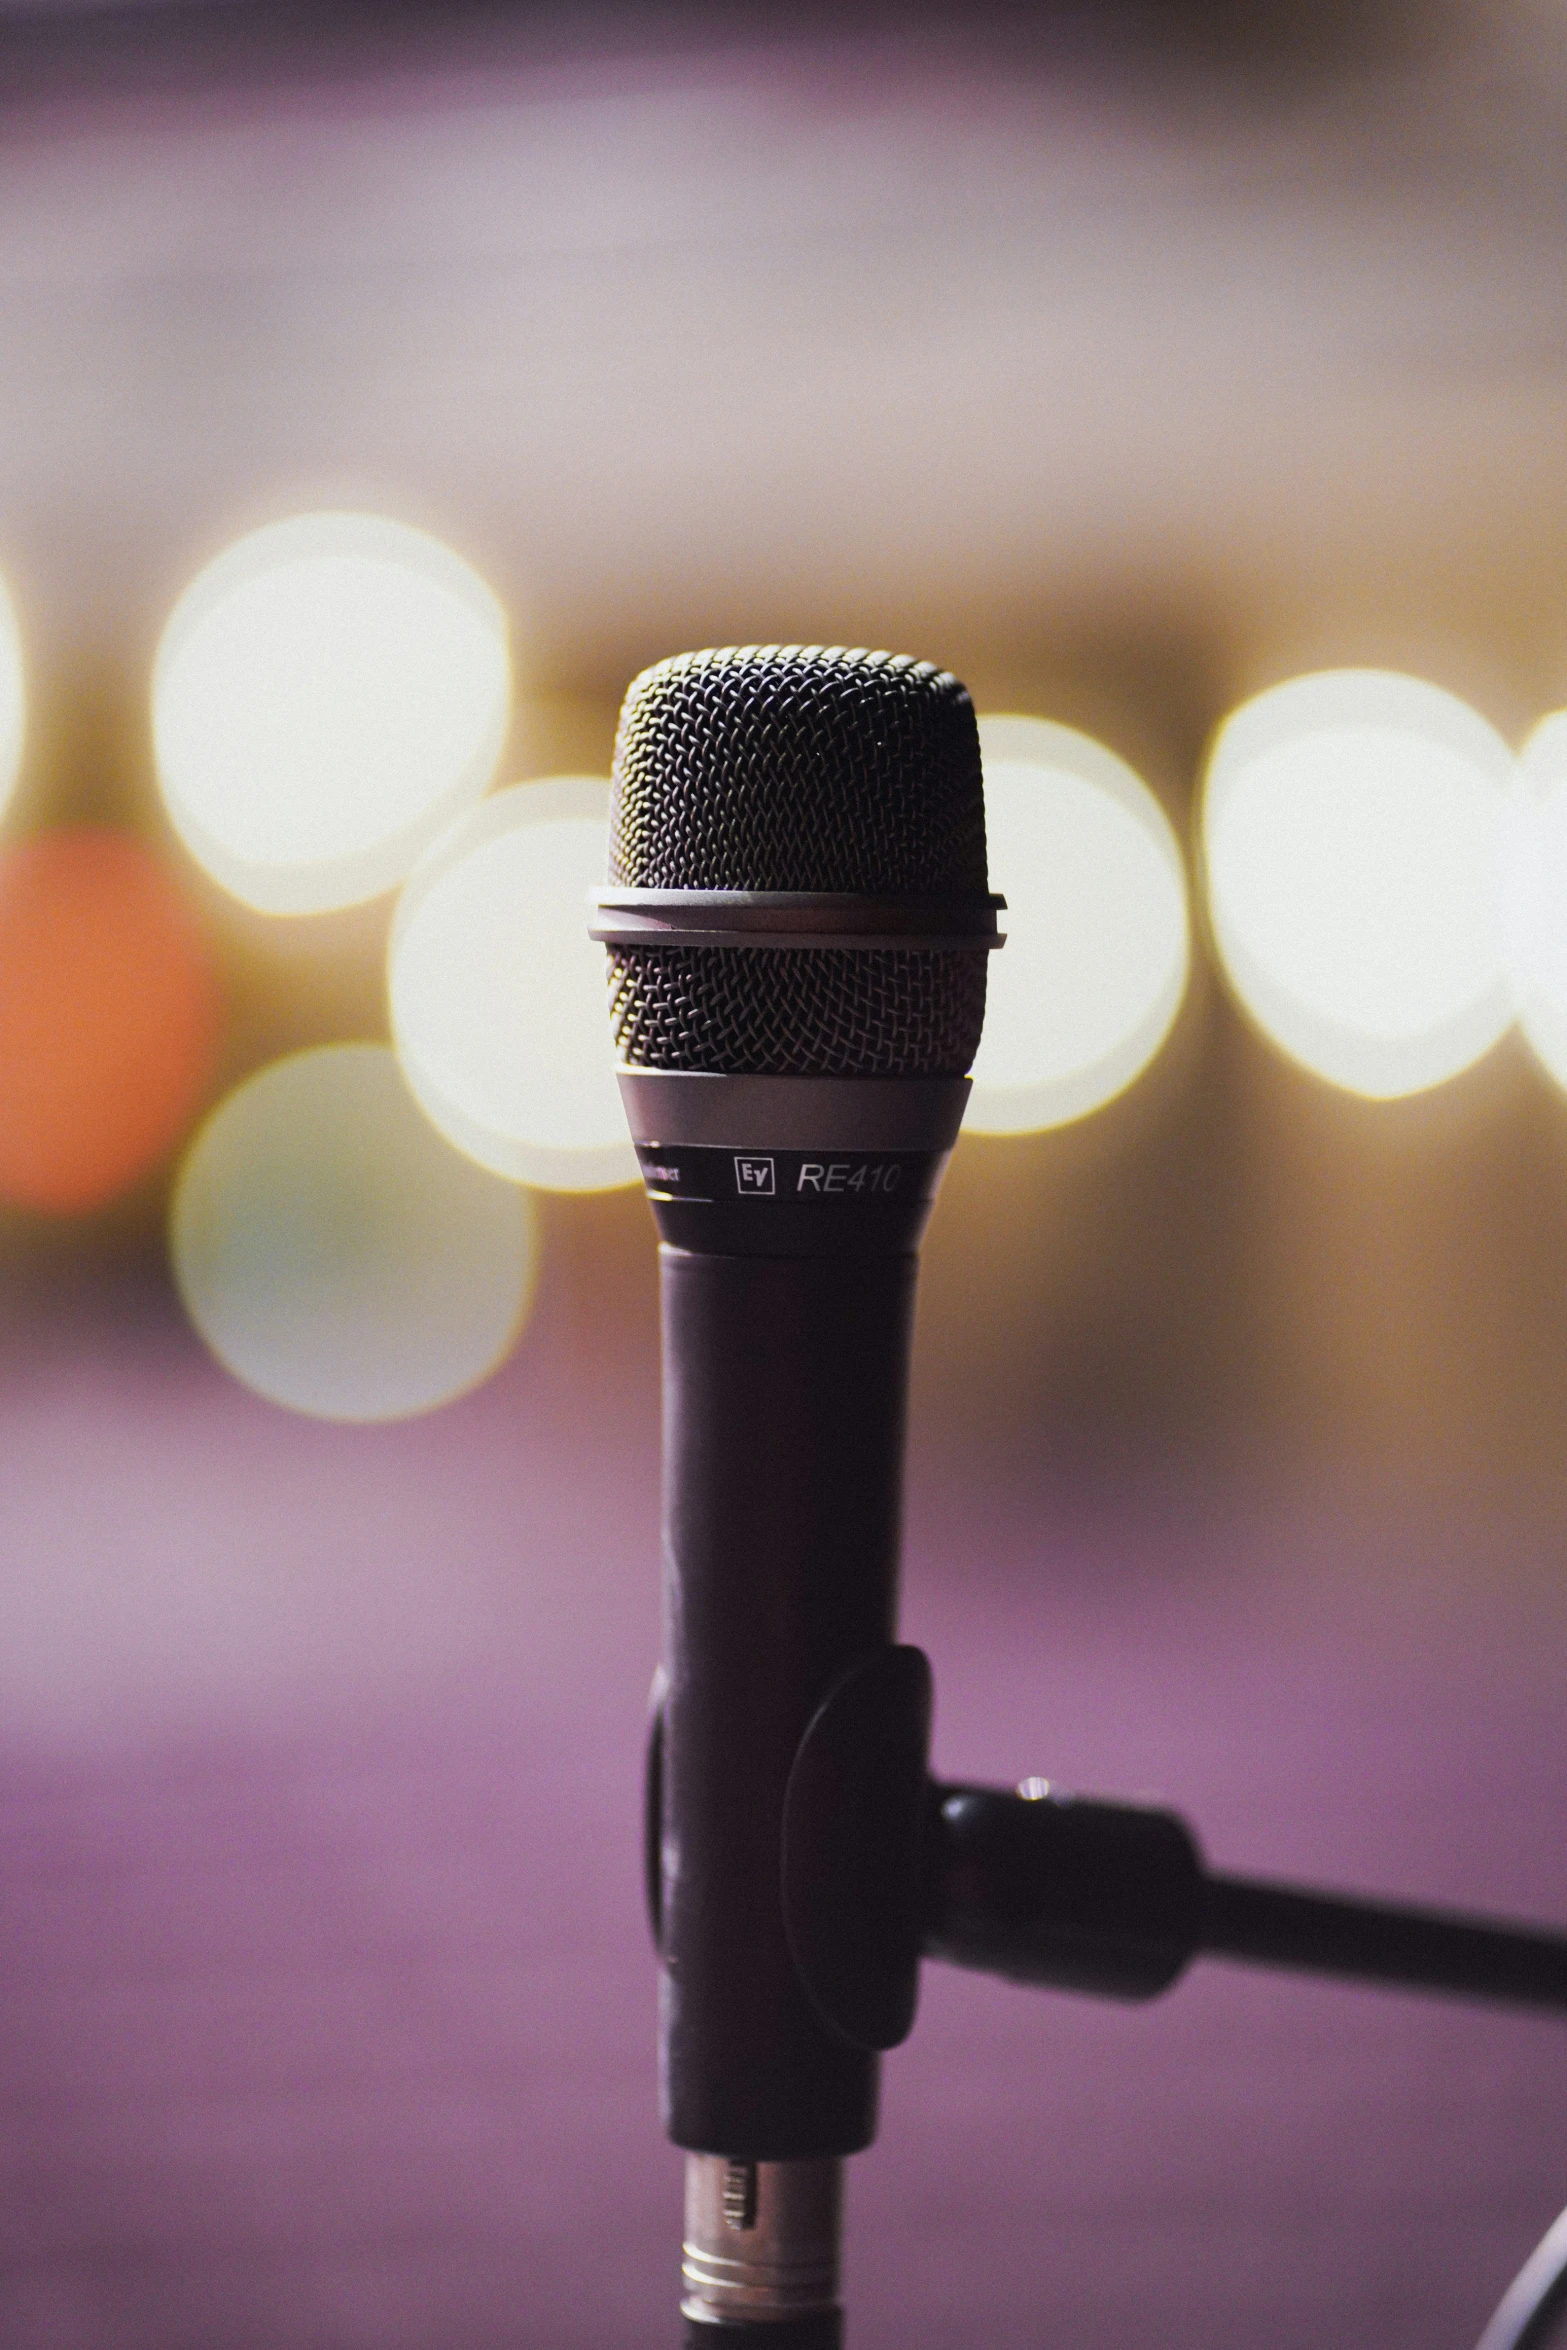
335	1254
1352	833
1535	887
1097	952
109	1018
13	697
327	696
499	1010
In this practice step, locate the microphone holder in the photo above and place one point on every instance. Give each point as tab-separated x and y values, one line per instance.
882	1867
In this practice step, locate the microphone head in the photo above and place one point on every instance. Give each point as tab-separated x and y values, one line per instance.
805	769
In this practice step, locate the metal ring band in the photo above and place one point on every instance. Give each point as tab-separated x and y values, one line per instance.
793	918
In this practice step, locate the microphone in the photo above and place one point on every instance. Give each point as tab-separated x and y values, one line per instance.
797	921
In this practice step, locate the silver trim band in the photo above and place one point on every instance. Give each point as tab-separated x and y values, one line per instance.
786	919
793	1113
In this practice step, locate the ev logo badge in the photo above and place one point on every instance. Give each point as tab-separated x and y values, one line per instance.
754	1178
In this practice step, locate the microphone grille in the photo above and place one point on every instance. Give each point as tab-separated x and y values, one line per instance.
790	767
750	1012
798	767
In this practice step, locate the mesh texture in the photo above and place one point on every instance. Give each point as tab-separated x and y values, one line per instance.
773	1012
768	767
798	767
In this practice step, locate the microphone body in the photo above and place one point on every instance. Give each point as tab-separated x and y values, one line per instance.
787	1320
797	924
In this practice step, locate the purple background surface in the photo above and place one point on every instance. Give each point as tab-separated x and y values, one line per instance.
328	2005
1127	360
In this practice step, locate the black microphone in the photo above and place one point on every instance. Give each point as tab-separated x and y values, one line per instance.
797	920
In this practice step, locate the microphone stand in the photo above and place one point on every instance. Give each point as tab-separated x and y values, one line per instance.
881	1867
1045	1888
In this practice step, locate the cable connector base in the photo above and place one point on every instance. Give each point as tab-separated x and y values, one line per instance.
761	2245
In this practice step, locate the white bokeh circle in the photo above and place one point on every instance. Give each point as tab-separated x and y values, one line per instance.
1535	892
335	1254
500	1010
1351	827
1098	946
13	697
327	695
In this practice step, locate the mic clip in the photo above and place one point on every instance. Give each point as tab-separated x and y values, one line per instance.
881	1866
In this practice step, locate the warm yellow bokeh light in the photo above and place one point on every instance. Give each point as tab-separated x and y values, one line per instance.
328	695
1535	886
335	1254
499	1009
1094	968
13	697
1351	834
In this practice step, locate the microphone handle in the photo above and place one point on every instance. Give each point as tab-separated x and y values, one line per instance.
784	1402
790	1211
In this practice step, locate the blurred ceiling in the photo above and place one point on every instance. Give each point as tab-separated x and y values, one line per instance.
991	331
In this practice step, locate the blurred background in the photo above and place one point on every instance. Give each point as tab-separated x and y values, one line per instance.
380	388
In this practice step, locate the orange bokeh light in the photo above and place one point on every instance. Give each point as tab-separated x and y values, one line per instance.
109	1018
